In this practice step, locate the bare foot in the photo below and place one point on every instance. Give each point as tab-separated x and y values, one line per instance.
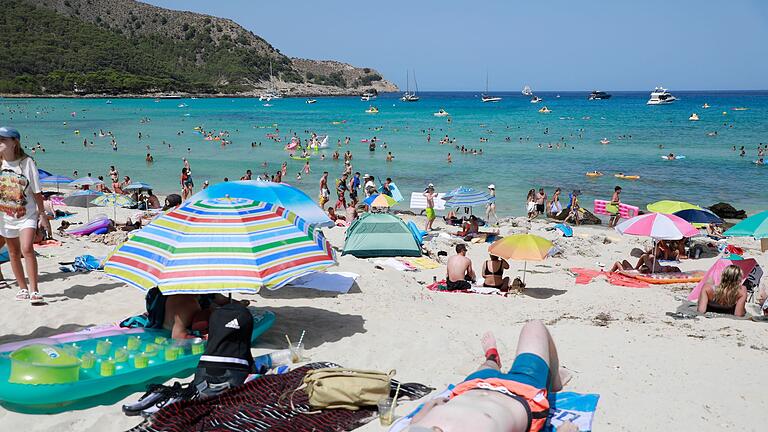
565	376
568	427
488	341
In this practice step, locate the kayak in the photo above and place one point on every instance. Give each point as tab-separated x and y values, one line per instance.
48	373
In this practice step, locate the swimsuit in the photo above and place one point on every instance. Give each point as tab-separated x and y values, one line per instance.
458	285
430	213
488	272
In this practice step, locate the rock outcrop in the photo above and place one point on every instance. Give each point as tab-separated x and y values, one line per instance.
727	211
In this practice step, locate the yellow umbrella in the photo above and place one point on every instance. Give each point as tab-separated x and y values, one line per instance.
522	247
669	207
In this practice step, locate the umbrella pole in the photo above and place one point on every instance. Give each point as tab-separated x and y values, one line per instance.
653	253
87	212
525	266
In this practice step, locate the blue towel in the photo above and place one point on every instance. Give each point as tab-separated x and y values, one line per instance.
576	407
83	263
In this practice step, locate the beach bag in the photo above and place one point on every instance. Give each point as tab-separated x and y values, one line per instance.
333	388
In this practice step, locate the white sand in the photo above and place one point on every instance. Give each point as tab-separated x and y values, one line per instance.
653	373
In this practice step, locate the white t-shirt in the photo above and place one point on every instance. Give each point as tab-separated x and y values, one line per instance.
19	182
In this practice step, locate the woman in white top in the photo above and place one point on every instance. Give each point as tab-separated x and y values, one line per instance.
21	204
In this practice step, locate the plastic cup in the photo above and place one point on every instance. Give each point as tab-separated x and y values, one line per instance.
87	360
386	411
150	350
198	348
160	340
140	361
121	355
133	343
297	352
107	367
103	347
171	353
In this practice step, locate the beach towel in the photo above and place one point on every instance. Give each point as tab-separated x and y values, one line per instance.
83	263
423	263
585	276
577	408
339	282
395	264
256	407
474	289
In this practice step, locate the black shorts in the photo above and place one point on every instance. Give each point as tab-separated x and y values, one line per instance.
540	208
461	285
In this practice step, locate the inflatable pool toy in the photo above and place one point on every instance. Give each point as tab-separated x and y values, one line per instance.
545	110
96	226
372	110
626	211
48	373
666	278
300	158
626	177
605	141
673	158
694	117
594	174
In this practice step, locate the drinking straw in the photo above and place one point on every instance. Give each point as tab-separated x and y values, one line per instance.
301	338
394	401
289	341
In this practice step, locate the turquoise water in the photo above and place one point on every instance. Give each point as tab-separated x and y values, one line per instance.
711	171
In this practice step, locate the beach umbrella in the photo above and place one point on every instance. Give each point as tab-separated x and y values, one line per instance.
113	200
754	226
467	197
750	270
221	245
380	200
85	181
696	216
280	194
138	187
43	173
669	207
658	226
522	247
82	198
55	180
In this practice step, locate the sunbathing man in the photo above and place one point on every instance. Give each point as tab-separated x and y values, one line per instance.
492	401
459	272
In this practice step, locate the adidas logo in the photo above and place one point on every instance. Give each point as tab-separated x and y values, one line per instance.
233	324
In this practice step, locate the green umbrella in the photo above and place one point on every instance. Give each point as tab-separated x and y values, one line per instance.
754	226
669	207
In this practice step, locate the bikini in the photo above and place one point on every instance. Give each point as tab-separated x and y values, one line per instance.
488	272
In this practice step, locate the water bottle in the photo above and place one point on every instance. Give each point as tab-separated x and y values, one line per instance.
265	362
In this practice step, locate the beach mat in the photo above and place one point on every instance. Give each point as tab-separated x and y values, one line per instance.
585	276
422	263
577	408
255	407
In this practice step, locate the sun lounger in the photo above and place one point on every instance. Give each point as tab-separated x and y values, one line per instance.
419	201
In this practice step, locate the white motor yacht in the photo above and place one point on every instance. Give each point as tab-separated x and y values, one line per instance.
527	91
661	96
536	99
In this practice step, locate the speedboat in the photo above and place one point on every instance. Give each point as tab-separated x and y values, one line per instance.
267	104
605	141
372	110
527	91
365	98
545	110
441	113
536	99
660	96
598	95
739	108
694	117
489	98
311	101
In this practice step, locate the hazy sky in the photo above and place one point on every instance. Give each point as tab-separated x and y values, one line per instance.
548	44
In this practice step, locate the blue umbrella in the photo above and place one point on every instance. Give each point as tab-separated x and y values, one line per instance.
699	216
86	181
43	173
467	197
138	186
279	194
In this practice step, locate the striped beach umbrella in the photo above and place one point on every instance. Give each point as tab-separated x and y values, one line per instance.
221	245
138	186
380	200
658	226
113	200
467	197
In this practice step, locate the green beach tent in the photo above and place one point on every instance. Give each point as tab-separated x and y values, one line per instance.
380	235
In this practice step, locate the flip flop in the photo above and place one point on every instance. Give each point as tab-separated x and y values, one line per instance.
22	295
36	299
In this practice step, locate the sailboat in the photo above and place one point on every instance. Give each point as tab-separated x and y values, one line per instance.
485	97
408	96
272	92
527	91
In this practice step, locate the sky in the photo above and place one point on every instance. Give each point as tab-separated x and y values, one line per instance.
547	44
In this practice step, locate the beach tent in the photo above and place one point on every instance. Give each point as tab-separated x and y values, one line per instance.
380	235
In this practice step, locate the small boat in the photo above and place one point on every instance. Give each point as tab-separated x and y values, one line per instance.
594	174
108	102
660	96
365	98
626	177
605	141
267	104
527	91
181	105
536	99
441	113
310	101
408	96
545	110
739	108
705	106
598	95
694	117
372	110
673	157
485	97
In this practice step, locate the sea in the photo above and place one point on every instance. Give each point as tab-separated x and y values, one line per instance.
521	147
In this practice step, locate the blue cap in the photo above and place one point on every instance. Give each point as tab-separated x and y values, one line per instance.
9	132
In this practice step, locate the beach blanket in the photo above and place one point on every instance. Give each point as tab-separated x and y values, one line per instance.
423	263
256	407
585	276
339	282
475	289
395	264
577	408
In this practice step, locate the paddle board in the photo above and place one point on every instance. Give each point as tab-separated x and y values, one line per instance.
396	195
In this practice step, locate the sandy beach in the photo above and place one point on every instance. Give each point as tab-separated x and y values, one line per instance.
692	375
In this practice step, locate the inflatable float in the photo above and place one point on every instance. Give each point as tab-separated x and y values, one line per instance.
626	211
666	278
48	373
396	194
96	226
594	174
673	157
300	158
626	177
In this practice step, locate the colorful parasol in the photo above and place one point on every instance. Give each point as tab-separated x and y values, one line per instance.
669	206
754	226
658	226
221	245
467	197
380	200
113	200
522	247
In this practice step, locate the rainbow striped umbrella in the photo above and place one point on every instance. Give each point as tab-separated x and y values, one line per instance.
221	245
380	200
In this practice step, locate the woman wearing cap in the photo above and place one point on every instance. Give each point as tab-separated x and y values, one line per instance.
23	211
490	208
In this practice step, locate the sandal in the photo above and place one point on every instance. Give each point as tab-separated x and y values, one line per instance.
36	299
22	295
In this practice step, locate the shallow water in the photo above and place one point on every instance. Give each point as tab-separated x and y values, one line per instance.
711	171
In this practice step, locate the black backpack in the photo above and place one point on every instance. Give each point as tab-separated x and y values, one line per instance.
227	360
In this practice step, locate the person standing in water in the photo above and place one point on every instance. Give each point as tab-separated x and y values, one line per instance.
325	193
490	208
23	211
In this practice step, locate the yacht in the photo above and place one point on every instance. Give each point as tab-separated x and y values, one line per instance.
485	97
536	99
408	96
272	92
598	95
527	91
661	96
311	101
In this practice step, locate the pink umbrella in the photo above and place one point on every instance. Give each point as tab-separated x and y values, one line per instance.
749	269
658	226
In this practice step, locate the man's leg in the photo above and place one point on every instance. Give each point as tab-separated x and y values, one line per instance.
535	339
